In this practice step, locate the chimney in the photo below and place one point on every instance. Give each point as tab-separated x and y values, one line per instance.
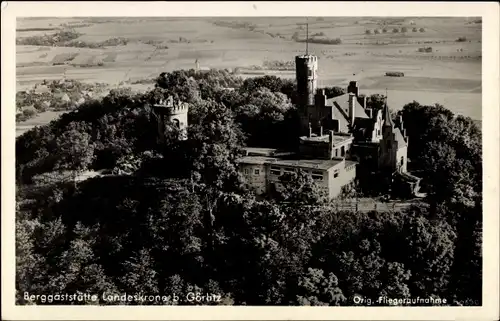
330	143
310	130
400	119
352	107
369	112
353	88
320	98
320	130
364	102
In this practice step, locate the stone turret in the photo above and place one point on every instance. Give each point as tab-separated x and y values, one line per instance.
171	114
306	67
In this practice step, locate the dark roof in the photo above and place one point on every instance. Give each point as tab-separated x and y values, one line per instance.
387	116
367	123
363	128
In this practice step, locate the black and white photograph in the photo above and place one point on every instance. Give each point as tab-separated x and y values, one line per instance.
265	160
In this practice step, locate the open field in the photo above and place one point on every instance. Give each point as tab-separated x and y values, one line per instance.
38	120
450	74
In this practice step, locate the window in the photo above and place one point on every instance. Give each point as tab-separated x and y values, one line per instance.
336	173
309	73
336	152
288	170
256	172
246	171
342	151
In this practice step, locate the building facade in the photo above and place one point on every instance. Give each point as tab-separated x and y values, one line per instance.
262	173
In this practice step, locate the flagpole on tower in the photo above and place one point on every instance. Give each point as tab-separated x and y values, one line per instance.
307	38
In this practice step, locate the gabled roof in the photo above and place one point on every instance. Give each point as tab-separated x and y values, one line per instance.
342	104
399	138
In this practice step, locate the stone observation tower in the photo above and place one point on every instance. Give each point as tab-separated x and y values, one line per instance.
306	67
306	73
171	116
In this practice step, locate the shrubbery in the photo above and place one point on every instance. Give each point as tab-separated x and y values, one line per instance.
394	74
326	41
279	65
60	38
425	49
27	113
66	38
235	24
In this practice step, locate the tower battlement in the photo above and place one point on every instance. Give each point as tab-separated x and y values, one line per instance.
306	67
172	107
306	58
179	108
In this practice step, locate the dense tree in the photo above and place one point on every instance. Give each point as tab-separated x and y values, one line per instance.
273	83
300	189
319	289
75	151
266	115
334	91
179	85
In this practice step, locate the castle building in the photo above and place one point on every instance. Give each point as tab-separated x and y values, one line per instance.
335	135
171	116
